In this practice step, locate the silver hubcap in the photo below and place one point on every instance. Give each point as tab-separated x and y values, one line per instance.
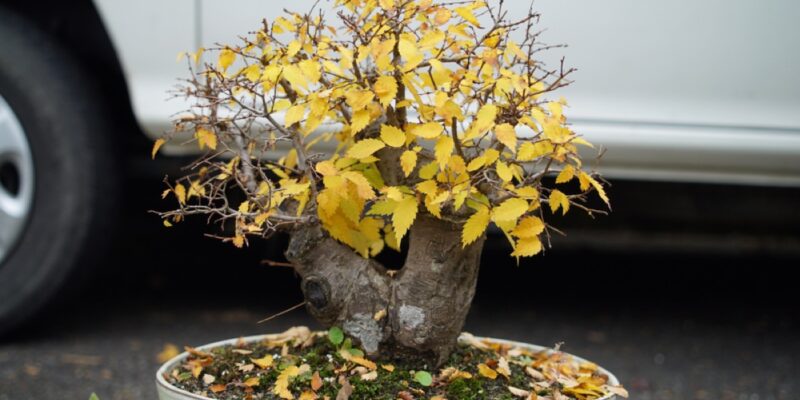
16	179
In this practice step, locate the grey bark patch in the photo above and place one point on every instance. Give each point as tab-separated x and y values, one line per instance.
411	316
366	330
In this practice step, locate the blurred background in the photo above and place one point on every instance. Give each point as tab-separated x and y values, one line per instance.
685	291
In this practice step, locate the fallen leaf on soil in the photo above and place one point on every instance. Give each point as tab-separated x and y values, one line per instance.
197	353
534	374
242	351
518	392
282	383
196	370
617	390
379	315
217	388
388	367
299	335
316	381
245	367
450	374
503	367
369	376
346	390
472	341
486	371
254	381
208	379
169	352
264	362
357	360
308	395
405	395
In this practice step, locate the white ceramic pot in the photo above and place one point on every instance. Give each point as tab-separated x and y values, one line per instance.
167	391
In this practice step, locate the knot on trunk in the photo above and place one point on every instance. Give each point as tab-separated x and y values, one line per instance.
417	313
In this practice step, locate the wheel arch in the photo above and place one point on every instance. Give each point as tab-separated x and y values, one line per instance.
78	28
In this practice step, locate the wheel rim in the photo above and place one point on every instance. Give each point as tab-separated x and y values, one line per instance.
16	179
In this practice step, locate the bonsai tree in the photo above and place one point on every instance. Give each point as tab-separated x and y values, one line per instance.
434	124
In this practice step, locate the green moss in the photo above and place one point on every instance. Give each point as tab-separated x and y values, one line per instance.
466	389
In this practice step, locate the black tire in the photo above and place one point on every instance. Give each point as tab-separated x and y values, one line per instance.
74	194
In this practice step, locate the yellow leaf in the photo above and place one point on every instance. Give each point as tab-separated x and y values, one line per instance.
294	114
206	138
252	73
388	367
386	89
504	171
195	189
509	210
408	161
431	130
476	163
365	148
254	381
226	58
326	168
180	193
282	382
359	99
506	134
566	174
466	13
362	184
442	16
382	207
487	371
404	216
528	227
558	199
308	395
157	145
600	190
167	224
295	76
443	150
238	241
359	122
169	352
311	70
475	226
393	136
293	48
429	170
583	177
386	4
410	53
527	247
514	48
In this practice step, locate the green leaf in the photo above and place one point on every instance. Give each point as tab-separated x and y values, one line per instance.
356	352
94	397
336	336
424	378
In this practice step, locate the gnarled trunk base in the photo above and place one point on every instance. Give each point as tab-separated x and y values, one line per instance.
417	312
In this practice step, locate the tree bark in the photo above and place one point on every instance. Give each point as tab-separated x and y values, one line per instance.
416	313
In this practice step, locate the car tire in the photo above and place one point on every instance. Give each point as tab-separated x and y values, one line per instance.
71	210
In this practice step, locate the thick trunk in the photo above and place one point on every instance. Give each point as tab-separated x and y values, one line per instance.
417	312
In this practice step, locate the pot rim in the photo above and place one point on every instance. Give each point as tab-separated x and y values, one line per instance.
167	366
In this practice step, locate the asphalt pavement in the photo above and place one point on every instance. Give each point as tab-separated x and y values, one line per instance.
670	324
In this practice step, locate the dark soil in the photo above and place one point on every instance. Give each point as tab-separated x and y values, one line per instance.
251	370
